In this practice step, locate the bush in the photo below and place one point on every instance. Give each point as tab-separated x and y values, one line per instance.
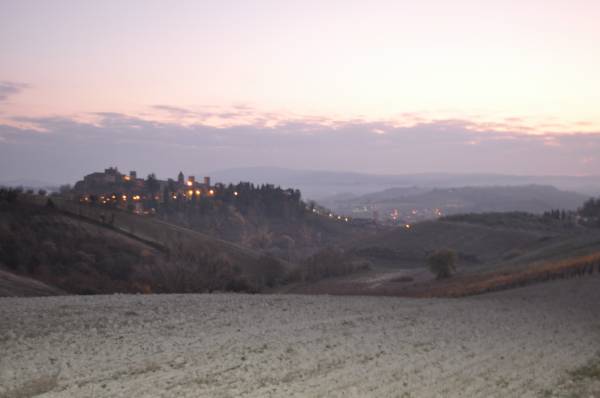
327	263
269	271
441	263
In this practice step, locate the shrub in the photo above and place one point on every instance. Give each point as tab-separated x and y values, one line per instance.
327	263
441	263
269	271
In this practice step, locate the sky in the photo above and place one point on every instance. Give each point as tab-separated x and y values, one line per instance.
381	86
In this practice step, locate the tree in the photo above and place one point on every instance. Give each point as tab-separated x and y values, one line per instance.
441	263
64	189
12	195
269	271
591	208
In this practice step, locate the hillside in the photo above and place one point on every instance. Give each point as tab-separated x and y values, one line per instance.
476	244
494	250
73	249
12	285
265	217
288	238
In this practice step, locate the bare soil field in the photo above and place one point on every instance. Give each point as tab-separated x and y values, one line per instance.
539	341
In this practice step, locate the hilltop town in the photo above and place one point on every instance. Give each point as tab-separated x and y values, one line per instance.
139	195
148	196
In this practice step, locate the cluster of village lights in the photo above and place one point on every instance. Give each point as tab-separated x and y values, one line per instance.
331	215
137	198
198	192
104	199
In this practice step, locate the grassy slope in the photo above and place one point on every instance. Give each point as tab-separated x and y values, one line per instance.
67	253
480	243
153	246
511	250
476	244
466	285
162	233
12	285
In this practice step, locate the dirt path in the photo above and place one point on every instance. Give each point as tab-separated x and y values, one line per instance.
517	343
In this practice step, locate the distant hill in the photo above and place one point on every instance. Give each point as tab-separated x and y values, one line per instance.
413	204
320	184
30	184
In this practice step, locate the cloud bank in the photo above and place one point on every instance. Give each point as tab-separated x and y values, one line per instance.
8	89
58	149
